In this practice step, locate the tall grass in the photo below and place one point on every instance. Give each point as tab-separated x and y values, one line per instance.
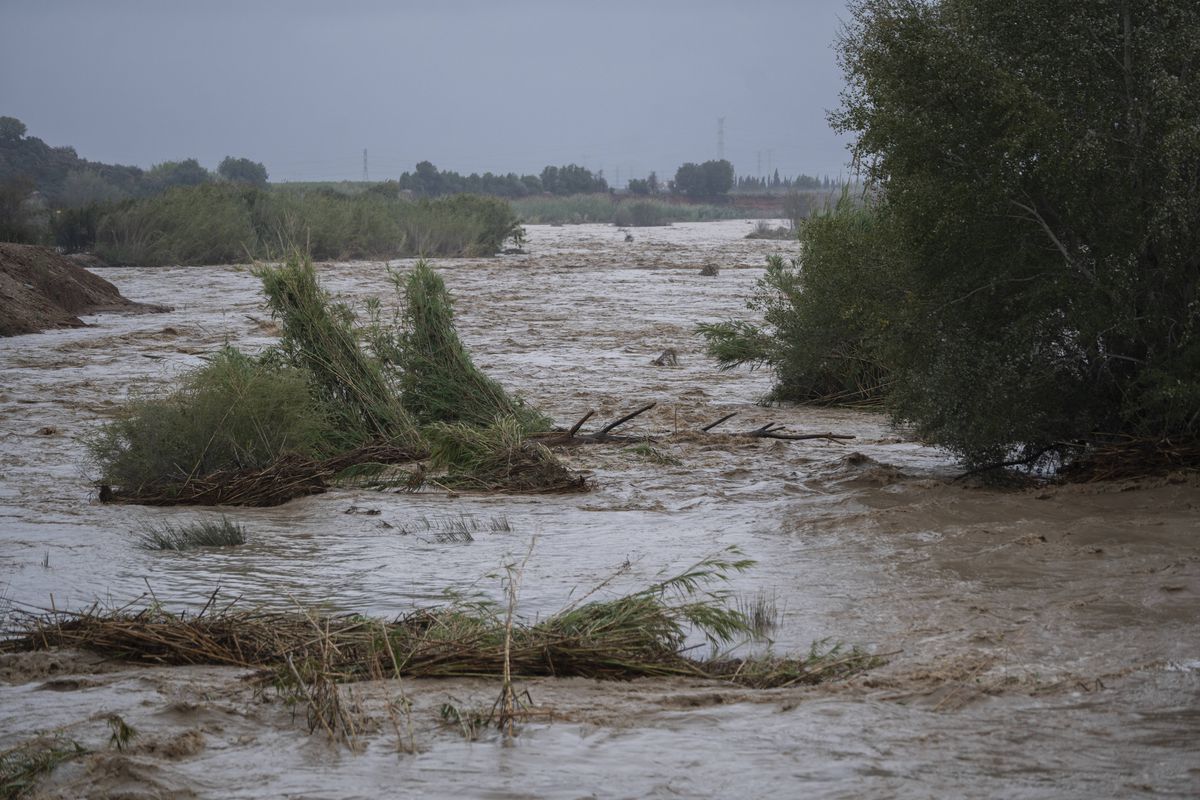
581	208
226	223
437	378
359	396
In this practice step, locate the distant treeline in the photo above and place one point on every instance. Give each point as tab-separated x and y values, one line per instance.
777	184
64	180
428	181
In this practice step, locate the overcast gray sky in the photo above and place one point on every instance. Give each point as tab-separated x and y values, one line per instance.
471	86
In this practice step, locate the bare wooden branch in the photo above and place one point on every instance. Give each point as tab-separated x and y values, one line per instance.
603	432
575	428
712	425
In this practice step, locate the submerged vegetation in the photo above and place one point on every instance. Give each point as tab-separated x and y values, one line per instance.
330	397
235	412
21	767
1022	286
203	533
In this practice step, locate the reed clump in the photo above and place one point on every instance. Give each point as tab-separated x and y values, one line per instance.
330	399
438	382
224	223
357	393
497	458
641	634
221	532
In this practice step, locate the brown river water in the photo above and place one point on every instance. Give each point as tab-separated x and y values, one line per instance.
1042	642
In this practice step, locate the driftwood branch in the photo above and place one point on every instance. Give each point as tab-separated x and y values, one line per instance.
608	428
575	428
712	425
771	430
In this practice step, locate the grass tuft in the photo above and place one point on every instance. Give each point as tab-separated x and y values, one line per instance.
205	533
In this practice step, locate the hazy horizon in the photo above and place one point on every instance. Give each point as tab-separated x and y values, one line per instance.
471	86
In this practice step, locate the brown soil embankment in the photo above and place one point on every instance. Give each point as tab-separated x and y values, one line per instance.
41	289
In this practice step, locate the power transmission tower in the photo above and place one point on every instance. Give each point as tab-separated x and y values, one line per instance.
720	138
365	178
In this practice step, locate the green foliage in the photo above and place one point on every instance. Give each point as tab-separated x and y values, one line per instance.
357	395
87	187
428	181
177	173
242	170
227	222
641	214
438	380
710	179
1038	165
204	533
233	413
828	316
496	458
18	223
594	208
12	130
572	179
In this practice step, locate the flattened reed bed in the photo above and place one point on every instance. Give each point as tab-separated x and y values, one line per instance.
287	478
608	644
642	634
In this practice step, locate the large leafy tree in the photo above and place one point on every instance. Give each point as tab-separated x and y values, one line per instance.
710	179
1039	168
242	170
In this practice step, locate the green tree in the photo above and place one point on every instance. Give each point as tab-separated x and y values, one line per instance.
710	179
177	173
1039	166
11	130
242	170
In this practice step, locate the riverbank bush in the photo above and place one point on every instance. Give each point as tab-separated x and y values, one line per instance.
827	315
227	223
1034	295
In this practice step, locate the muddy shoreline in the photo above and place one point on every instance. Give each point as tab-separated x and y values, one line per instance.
1044	641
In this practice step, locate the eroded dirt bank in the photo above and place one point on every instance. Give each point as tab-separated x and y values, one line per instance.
1044	643
41	289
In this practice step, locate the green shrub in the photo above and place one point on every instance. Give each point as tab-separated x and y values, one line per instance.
1044	198
233	413
828	316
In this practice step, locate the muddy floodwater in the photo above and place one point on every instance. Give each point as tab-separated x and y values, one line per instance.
1039	643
